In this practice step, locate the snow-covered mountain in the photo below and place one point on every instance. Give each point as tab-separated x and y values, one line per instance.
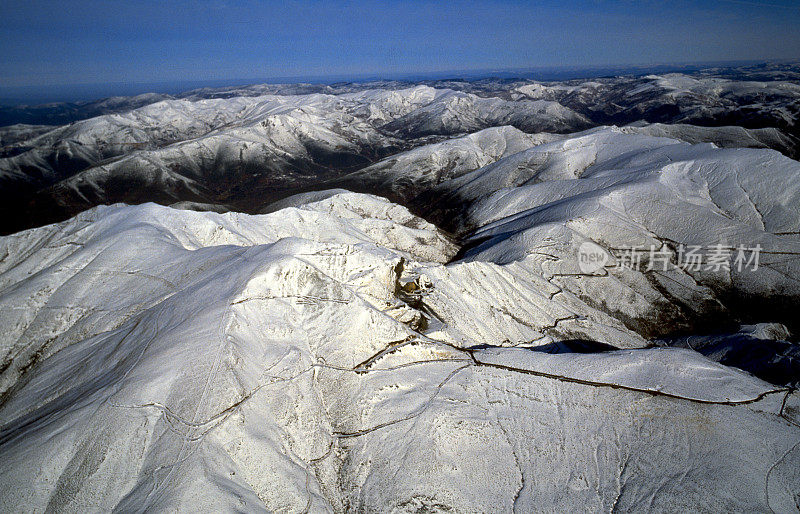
244	147
677	98
624	191
158	359
268	138
407	174
437	297
242	151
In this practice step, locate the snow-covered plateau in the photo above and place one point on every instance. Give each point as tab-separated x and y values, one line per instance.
404	318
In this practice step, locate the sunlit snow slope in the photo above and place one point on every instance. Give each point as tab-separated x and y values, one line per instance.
375	298
323	358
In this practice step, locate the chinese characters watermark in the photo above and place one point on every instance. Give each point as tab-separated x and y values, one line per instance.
713	258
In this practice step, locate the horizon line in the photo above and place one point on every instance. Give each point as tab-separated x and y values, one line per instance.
9	94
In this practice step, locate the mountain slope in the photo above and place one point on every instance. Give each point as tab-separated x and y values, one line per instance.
622	192
438	289
243	151
244	147
179	360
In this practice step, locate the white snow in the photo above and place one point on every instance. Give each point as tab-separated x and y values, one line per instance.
164	359
338	353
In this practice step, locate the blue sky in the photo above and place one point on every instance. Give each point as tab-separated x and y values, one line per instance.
94	41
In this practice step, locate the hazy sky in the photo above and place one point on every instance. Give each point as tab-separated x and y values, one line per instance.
92	41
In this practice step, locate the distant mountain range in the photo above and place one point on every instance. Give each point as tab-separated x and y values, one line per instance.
244	147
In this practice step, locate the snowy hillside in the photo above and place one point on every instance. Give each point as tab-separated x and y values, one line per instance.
242	151
243	147
677	98
407	174
453	296
625	191
164	359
